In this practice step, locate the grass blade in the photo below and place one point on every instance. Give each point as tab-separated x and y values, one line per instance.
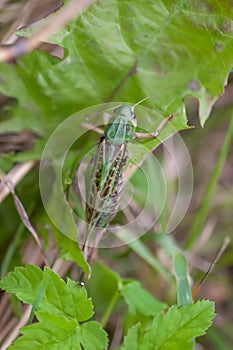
203	211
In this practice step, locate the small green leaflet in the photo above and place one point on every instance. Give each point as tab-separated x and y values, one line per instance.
57	332
70	251
140	301
59	297
174	330
61	308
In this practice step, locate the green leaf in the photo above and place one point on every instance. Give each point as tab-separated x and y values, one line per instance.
56	296
103	286
131	339
56	332
174	330
25	282
110	56
179	326
54	203
140	301
70	251
60	309
93	337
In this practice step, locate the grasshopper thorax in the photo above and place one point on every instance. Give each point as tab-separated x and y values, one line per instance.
121	127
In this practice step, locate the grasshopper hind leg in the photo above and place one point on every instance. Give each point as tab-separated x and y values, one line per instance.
139	135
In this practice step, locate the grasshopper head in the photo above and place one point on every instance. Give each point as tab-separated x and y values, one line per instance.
126	111
122	126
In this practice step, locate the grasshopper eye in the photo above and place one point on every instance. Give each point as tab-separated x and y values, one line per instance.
133	115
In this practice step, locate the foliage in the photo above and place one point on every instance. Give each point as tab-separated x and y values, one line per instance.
63	309
115	51
109	56
174	330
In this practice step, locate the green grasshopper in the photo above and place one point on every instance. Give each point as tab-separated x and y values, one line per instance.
106	182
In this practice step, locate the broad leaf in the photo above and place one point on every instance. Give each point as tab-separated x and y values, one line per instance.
103	286
179	326
56	332
174	330
49	292
113	56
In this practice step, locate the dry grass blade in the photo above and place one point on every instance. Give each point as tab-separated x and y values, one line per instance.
15	176
22	213
63	16
19	14
15	332
220	252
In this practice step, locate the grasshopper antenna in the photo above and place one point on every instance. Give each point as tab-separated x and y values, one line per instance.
154	95
142	100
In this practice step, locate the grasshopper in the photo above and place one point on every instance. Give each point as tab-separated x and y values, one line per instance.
106	182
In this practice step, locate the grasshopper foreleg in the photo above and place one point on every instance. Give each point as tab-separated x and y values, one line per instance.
89	126
93	128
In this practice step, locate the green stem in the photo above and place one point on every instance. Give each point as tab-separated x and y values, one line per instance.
110	308
204	209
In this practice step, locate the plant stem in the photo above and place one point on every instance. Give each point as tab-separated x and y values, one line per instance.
110	308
